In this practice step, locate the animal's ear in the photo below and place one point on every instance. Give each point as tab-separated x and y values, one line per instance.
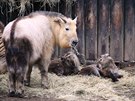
60	20
75	20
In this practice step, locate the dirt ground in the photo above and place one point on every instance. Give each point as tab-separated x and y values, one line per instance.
76	88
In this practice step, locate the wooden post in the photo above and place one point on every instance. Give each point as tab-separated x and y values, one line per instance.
103	27
91	29
116	36
79	13
129	54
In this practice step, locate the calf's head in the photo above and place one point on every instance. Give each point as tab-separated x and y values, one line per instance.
106	61
108	67
71	63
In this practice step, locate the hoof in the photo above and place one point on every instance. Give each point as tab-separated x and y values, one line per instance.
19	95
115	80
12	94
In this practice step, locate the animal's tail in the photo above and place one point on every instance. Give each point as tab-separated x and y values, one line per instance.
13	29
11	50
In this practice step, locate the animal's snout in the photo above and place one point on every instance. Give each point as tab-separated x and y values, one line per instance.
74	42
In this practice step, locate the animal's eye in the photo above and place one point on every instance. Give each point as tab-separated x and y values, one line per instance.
67	29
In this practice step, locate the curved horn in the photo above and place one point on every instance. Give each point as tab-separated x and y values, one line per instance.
63	20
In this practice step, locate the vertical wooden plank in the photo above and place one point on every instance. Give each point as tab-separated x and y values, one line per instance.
78	10
103	29
129	54
91	29
116	37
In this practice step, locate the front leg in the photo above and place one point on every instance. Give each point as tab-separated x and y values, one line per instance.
43	67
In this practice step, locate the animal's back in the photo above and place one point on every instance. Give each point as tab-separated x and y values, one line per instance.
35	28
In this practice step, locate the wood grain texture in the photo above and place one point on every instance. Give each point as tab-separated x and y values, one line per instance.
91	29
103	27
116	36
129	54
79	13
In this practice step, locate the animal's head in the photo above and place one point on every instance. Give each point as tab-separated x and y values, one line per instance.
108	68
105	60
71	62
65	32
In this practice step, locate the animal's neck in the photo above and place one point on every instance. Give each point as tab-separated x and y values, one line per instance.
55	31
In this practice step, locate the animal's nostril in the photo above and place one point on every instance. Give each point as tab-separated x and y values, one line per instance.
74	43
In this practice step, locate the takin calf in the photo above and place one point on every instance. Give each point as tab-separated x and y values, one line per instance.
30	40
105	67
66	65
108	68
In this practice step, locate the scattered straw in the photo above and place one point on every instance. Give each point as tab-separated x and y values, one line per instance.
80	88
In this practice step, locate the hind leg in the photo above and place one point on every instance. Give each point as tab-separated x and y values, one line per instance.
19	85
11	85
27	76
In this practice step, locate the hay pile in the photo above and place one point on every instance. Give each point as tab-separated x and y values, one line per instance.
79	88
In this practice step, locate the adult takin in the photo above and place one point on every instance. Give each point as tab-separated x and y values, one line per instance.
30	40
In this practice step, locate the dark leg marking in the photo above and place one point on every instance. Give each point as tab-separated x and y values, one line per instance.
27	76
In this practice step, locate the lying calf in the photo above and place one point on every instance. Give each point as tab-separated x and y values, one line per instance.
56	67
66	65
90	69
108	67
105	67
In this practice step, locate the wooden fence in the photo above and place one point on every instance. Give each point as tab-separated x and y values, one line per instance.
104	26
